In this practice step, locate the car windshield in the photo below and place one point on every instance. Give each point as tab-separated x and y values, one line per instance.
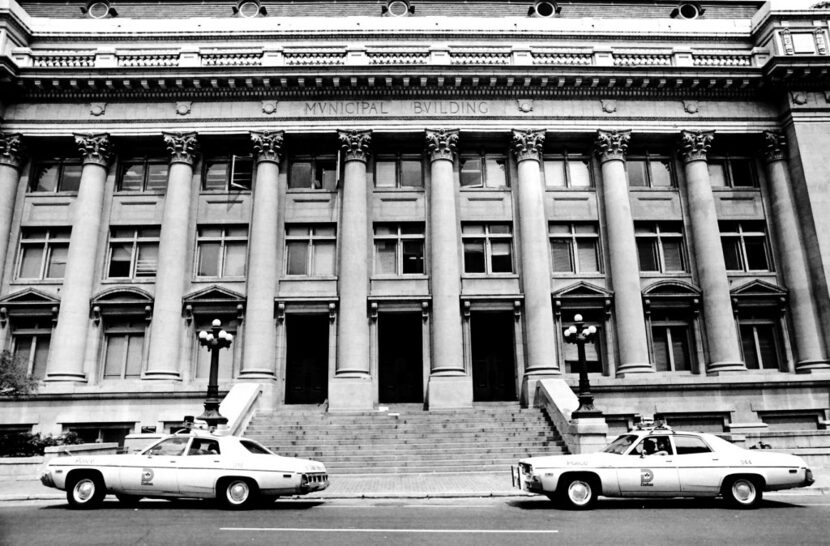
619	445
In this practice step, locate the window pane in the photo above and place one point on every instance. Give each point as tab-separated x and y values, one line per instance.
132	178
297	258
326	175
413	257
235	259
324	259
500	228
554	173
300	175
496	172
731	253
243	173
673	255
120	260
474	229
579	173
588	260
767	345
297	231
660	339
717	174
216	176
501	260
474	256
680	348
41	353
660	173
386	230
157	177
114	359
756	253
647	251
588	229
412	229
471	175
561	255
23	348
385	257
208	260
210	232
742	173
70	178
30	262
324	231
148	259
57	261
135	345
411	175
384	174
559	229
636	173
748	344
47	178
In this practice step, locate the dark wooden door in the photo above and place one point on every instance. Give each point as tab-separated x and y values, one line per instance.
307	359
494	367
400	358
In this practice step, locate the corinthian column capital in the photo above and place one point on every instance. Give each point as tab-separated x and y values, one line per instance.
527	144
775	146
355	144
610	145
267	146
95	149
442	143
182	147
11	150
694	145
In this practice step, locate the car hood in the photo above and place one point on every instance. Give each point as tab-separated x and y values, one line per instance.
572	461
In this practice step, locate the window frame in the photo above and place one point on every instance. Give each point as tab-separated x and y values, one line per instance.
231	160
573	238
566	158
310	237
728	171
117	328
146	162
488	238
656	239
224	241
315	160
754	322
398	159
135	242
400	238
648	158
667	324
47	244
483	157
33	334
740	235
41	165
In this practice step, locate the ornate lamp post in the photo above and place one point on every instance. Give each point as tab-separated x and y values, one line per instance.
579	335
214	340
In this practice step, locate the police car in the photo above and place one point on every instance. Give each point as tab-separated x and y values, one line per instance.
656	461
235	471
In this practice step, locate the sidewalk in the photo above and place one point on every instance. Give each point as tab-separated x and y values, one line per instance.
379	486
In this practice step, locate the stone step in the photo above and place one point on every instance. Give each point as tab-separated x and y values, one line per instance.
399	468
434	458
495	447
404	425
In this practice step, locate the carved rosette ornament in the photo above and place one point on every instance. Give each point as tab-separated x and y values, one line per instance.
442	143
267	146
182	147
355	144
11	150
95	149
611	145
527	144
694	145
775	146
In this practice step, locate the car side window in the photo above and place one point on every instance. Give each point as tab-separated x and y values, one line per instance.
170	447
687	445
201	446
653	445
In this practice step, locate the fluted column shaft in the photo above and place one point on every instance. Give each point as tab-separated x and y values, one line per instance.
721	333
10	162
67	349
259	351
622	245
810	351
173	261
535	255
353	275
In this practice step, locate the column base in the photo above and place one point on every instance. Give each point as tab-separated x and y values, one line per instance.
634	368
258	375
161	376
64	377
351	394
810	366
449	392
717	368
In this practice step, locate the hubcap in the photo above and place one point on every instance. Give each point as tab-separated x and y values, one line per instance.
84	490
579	492
743	491
238	492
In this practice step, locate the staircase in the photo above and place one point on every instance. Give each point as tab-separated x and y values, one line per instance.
407	439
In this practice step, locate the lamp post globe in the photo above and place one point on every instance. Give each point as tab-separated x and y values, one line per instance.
579	334
215	340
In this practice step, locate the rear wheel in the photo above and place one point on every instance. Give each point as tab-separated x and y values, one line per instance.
743	492
85	492
237	493
579	493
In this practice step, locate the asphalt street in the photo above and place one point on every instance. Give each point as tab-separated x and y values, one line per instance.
782	519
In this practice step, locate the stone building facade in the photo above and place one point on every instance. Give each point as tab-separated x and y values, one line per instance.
409	201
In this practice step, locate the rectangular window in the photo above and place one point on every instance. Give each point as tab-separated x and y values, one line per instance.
43	253
123	347
745	246
671	343
649	171
487	248
30	342
143	175
484	171
574	248
133	252
313	173
732	172
221	251
567	171
56	175
226	356
399	171
660	247
760	341
310	250
228	173
399	249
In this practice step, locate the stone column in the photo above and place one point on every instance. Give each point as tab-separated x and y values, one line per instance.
173	273
449	384
351	387
630	321
535	260
810	351
67	349
10	162
721	333
259	350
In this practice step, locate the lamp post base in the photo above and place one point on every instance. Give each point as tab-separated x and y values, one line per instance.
211	416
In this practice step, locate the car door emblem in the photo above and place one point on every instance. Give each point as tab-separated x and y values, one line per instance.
646	478
146	476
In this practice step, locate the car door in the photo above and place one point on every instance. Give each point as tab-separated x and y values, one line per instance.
699	468
642	475
155	471
200	468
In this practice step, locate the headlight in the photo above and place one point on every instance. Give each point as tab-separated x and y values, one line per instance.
526	468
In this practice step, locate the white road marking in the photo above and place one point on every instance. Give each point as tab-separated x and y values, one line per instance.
430	531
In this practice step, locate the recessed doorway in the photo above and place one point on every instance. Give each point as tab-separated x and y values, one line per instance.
400	358
493	355
307	359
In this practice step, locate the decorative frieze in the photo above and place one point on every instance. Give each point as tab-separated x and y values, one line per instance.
775	146
95	149
11	150
694	145
268	145
182	147
611	145
527	144
442	143
355	144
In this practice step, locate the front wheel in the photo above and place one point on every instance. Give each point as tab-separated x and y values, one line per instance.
85	492
743	492
579	493
237	493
